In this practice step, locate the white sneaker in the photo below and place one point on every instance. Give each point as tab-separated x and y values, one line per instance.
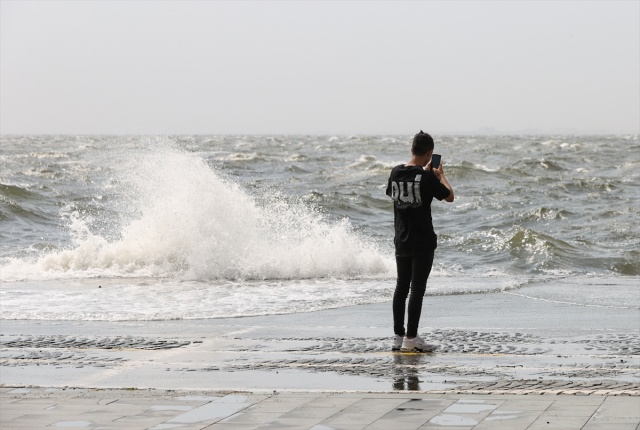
417	344
397	343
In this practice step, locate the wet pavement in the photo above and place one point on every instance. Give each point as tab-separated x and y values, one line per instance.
151	409
505	361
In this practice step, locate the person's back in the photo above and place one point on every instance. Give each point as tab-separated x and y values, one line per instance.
412	189
413	186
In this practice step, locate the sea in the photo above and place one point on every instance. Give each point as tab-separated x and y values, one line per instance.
138	228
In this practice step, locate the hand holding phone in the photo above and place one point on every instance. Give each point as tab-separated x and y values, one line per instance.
435	161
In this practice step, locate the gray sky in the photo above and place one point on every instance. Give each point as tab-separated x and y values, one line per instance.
127	67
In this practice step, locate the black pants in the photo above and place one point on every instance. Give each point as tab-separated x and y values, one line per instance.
413	272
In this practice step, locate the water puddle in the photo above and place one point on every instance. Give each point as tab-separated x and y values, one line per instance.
470	407
503	416
452	420
217	409
449	416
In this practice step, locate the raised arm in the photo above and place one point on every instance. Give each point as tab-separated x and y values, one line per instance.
439	172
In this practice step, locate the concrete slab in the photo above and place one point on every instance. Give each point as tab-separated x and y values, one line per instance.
427	404
331	402
251	417
310	413
430	426
558	422
417	417
347	420
564	410
453	420
277	405
619	407
290	423
610	426
525	404
234	426
373	406
20	425
388	424
508	420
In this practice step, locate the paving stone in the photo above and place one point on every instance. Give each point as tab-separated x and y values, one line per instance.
29	425
508	420
282	405
290	422
6	418
426	404
36	420
232	426
140	423
368	405
417	417
317	414
620	407
610	426
570	410
252	417
396	425
345	420
451	420
429	426
331	402
525	405
558	422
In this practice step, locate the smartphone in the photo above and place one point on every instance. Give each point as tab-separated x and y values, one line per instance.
435	161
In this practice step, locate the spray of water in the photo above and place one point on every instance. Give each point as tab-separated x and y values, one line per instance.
183	219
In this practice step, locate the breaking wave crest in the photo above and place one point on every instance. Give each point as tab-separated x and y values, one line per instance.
185	220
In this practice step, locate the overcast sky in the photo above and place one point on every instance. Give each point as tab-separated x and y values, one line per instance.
164	67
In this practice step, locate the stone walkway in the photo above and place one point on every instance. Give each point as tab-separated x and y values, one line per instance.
39	408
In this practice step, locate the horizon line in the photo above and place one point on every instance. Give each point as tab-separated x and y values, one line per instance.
447	133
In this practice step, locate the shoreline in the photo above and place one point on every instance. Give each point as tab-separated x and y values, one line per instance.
505	362
487	340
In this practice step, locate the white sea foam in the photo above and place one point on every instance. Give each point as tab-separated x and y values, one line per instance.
371	163
189	222
139	299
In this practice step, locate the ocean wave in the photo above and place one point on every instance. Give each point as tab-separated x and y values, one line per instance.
242	157
20	203
295	158
191	223
15	191
371	163
144	216
45	155
526	251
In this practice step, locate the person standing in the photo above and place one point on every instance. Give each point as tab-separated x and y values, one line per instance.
412	187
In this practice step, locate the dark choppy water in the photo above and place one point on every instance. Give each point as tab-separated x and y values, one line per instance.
259	224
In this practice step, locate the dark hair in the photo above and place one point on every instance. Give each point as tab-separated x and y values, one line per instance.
422	143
